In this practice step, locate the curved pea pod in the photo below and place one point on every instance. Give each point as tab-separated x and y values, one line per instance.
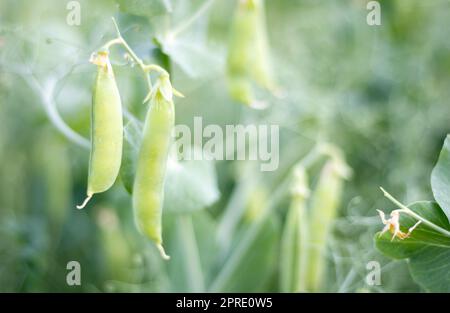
295	236
106	129
148	187
324	204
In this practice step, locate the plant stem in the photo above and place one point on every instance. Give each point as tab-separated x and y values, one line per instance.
244	245
49	105
146	68
193	268
186	24
408	211
112	42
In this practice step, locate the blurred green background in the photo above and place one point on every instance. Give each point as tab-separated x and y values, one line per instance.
380	93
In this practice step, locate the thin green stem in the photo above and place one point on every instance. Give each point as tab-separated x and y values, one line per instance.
112	42
187	23
146	68
408	211
245	244
156	68
48	102
193	268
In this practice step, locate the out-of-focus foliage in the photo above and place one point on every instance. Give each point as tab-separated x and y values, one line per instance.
380	93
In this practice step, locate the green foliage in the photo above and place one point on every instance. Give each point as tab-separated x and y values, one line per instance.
440	178
428	251
379	93
427	248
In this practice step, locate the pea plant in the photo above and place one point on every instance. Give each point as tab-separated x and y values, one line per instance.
420	231
306	233
95	109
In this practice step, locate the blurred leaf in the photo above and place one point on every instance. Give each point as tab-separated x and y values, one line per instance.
193	56
440	178
428	251
190	185
148	8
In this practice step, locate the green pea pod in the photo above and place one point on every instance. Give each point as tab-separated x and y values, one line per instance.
148	187
240	52
262	67
295	237
106	129
248	58
324	204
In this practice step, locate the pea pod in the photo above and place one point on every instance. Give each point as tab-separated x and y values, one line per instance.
248	60
148	187
106	129
262	67
240	52
324	204
295	236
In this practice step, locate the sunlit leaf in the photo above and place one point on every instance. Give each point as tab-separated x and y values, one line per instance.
440	178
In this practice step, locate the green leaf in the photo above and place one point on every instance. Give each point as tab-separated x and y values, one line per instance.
196	58
440	178
148	8
427	250
190	185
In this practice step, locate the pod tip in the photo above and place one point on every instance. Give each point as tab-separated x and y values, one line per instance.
84	202
162	252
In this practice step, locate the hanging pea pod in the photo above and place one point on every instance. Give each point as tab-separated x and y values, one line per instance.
262	67
248	60
240	52
148	187
324	204
106	129
295	236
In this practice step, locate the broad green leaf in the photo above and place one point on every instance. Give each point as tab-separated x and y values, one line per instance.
440	178
195	57
148	8
190	185
427	250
